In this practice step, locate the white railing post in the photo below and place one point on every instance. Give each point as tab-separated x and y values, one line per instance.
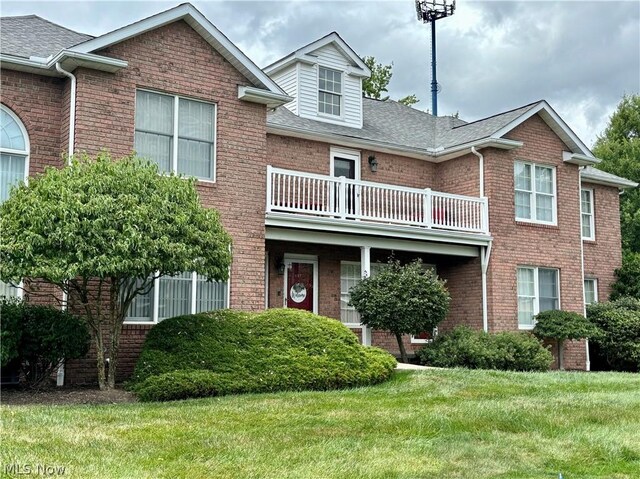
342	200
485	215
269	186
427	208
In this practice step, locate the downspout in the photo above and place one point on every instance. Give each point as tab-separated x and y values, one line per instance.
72	127
485	253
587	364
72	109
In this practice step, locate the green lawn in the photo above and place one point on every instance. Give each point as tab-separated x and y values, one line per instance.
444	424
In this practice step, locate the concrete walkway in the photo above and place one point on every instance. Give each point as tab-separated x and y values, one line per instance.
412	366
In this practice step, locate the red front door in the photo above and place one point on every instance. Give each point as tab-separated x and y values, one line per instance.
300	286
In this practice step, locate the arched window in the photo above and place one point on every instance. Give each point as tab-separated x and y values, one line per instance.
14	151
14	165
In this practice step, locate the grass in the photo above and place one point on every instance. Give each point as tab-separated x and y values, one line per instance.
437	423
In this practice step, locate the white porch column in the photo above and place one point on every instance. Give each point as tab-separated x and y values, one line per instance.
365	271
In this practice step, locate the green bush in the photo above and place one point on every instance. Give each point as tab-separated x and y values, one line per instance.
279	349
618	341
401	299
39	337
627	277
561	325
467	348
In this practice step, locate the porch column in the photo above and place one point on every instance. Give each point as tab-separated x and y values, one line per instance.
365	271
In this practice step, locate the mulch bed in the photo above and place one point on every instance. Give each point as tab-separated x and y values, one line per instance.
63	396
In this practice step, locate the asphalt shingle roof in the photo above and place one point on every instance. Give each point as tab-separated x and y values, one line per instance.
32	36
591	173
398	125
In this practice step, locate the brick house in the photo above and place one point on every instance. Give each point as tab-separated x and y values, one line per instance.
315	183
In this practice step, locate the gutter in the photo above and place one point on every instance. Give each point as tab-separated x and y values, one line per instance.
434	155
67	59
587	364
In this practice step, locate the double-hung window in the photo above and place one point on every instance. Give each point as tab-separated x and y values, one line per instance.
329	91
586	211
535	192
538	290
170	296
176	133
14	164
590	290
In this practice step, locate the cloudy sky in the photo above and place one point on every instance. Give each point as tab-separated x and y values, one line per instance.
492	56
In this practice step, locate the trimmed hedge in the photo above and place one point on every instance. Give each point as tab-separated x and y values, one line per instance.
467	348
224	352
618	342
37	338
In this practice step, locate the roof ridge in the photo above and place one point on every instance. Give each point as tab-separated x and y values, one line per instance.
19	16
498	114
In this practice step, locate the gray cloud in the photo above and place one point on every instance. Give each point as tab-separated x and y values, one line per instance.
492	56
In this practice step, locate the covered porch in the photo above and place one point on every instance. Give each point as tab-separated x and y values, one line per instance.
314	270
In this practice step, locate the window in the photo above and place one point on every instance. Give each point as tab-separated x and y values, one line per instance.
185	293
538	290
329	91
14	165
535	189
590	290
176	133
586	210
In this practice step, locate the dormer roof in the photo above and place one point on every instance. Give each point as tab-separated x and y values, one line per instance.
305	55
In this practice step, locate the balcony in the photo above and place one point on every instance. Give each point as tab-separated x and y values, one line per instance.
341	199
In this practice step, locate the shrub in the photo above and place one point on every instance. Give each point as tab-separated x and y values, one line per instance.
562	325
627	277
465	347
279	349
401	299
618	341
39	337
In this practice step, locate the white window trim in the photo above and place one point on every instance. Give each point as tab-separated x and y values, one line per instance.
536	292
174	152
592	215
533	193
347	154
351	263
341	94
26	153
194	290
595	290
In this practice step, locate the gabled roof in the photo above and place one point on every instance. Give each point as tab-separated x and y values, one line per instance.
200	24
304	54
32	36
593	175
411	130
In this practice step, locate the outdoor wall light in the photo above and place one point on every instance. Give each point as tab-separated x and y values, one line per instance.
280	265
373	163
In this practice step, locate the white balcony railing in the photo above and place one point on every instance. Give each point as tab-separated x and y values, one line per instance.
303	193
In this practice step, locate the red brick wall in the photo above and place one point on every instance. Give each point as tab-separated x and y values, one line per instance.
519	243
314	157
176	60
37	101
603	255
459	175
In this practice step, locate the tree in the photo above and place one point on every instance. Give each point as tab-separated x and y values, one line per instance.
627	282
401	299
409	100
101	231
562	325
377	83
619	149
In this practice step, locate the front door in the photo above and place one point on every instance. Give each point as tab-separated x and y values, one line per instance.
347	167
300	285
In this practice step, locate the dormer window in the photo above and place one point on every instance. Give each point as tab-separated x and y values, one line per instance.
329	91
